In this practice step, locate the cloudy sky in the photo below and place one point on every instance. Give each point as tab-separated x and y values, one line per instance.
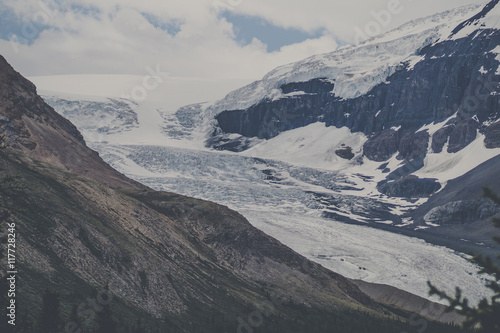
190	38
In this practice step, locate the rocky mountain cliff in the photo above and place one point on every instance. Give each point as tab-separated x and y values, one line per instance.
428	79
178	264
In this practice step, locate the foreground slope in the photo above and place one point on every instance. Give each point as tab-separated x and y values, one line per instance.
170	256
179	264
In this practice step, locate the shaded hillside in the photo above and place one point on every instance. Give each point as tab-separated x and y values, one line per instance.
391	296
461	209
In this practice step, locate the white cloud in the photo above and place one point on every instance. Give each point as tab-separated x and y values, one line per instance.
341	17
118	39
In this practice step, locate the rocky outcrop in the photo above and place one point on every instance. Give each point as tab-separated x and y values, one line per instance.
492	134
413	145
462	212
462	134
231	142
461	201
381	146
315	86
440	138
345	152
409	187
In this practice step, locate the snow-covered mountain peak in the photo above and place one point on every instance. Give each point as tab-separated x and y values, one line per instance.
354	70
487	18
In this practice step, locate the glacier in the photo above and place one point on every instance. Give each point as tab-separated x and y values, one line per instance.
293	186
301	206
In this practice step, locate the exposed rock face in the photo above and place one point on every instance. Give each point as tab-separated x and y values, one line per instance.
316	86
269	118
409	187
462	134
461	212
381	146
413	145
230	142
492	133
461	200
440	138
345	152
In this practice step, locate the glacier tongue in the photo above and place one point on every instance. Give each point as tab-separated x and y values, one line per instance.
290	203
